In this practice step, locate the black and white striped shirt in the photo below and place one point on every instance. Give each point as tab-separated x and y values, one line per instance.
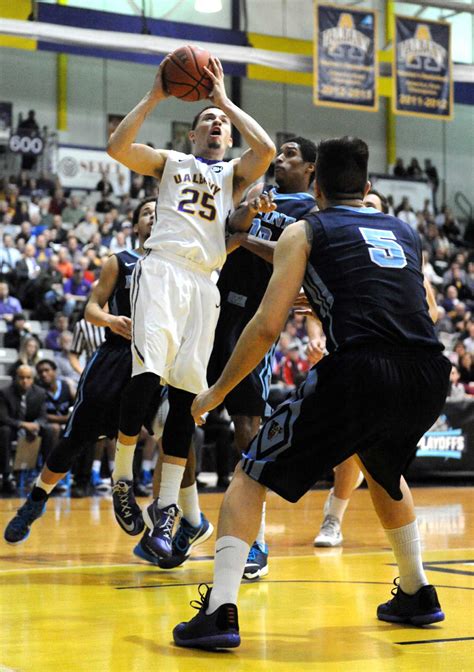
87	338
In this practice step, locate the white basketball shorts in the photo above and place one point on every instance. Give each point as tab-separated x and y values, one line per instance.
175	307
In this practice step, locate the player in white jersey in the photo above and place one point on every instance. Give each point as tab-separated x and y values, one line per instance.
175	304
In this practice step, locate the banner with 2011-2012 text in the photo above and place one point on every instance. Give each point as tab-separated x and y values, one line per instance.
422	70
345	58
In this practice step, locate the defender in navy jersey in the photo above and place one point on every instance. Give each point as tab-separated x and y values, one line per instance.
242	283
381	387
96	410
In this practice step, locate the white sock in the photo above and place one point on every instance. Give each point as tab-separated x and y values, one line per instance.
261	532
147	465
96	465
123	469
229	564
47	487
111	465
406	544
171	477
337	507
189	502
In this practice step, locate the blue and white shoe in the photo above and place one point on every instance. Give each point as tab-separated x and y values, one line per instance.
18	529
96	480
219	630
160	523
127	512
257	562
187	536
146	478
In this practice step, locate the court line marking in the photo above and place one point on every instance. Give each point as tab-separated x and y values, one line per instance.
262	583
436	641
209	558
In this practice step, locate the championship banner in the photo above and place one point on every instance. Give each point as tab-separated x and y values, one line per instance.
345	58
422	68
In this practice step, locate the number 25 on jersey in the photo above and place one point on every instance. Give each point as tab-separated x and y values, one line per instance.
199	203
384	250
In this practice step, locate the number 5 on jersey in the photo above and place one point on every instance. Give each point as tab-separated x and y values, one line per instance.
384	250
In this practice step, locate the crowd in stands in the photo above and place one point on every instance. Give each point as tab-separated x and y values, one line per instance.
54	243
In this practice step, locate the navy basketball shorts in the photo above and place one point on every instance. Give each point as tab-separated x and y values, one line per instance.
97	407
250	396
375	401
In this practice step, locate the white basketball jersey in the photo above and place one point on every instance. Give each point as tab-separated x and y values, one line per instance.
194	201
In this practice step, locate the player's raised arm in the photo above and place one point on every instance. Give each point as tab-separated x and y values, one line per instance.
291	255
255	161
122	146
100	294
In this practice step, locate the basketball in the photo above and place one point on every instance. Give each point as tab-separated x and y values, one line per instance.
184	76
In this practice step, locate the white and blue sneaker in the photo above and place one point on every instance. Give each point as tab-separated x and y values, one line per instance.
257	562
127	512
185	538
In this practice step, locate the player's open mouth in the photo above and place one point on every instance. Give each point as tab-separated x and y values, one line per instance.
216	132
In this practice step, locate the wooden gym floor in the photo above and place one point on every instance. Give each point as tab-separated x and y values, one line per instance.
73	598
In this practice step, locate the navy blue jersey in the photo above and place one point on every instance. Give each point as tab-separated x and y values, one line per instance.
364	280
119	301
59	402
245	276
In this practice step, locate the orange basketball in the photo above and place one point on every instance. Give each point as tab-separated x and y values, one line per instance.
184	76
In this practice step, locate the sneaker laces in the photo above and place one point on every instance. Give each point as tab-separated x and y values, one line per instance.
183	534
396	583
167	525
331	525
122	490
252	556
203	590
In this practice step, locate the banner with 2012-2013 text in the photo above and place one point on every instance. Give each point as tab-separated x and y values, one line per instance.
345	58
422	72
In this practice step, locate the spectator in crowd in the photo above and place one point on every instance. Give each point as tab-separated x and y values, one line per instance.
25	233
63	361
27	271
399	169
466	369
74	248
58	230
28	353
29	124
293	366
59	397
457	391
119	243
43	251
76	291
58	202
22	414
9	306
469	341
61	324
432	175
65	266
414	169
73	213
9	257
405	212
104	185
104	204
18	331
86	228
